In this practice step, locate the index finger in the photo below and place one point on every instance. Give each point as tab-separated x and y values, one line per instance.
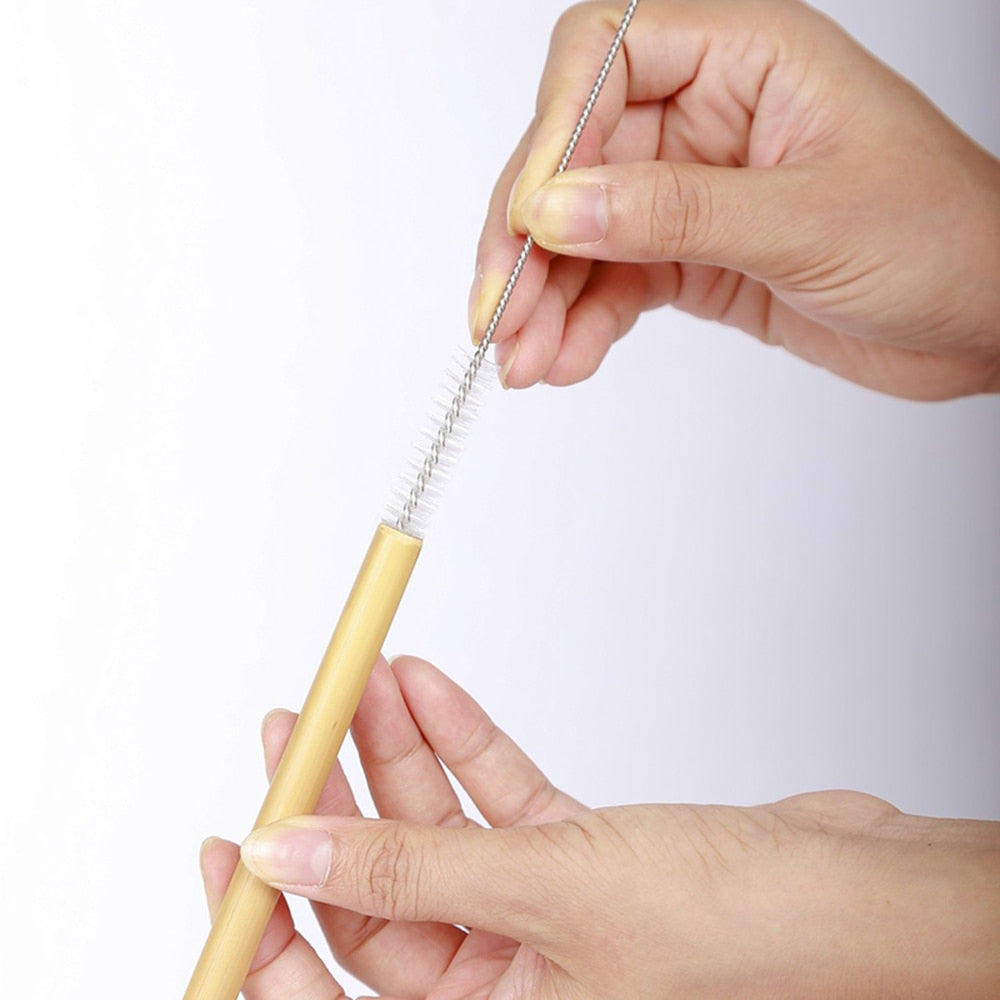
538	156
506	786
660	53
496	256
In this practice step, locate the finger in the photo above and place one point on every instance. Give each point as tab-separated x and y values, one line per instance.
580	42
404	775
661	53
530	975
285	965
605	311
752	220
390	956
523	360
506	786
510	882
498	249
496	256
478	965
528	357
498	246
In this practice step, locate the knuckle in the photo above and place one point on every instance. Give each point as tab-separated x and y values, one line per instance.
679	215
389	873
582	14
585	25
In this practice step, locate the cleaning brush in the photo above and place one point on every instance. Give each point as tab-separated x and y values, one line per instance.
357	639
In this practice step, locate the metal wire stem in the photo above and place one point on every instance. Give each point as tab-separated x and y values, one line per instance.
454	411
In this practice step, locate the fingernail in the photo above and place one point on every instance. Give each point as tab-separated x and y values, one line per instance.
567	213
286	855
206	846
486	292
475	294
270	717
508	364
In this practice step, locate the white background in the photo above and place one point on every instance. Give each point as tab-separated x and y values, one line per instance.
236	243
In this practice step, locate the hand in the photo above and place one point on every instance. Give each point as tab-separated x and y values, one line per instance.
748	163
827	895
411	720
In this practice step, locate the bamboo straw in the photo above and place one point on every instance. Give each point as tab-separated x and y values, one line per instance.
311	753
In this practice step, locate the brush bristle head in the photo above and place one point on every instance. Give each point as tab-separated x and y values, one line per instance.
415	497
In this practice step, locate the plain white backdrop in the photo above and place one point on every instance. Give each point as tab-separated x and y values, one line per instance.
236	242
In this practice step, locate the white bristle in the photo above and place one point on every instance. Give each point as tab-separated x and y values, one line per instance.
414	498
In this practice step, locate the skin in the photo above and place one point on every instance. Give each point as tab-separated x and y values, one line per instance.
749	163
833	894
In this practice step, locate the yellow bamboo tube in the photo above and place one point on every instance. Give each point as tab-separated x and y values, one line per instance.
311	753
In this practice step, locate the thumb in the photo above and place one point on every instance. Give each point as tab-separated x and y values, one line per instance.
745	218
494	879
